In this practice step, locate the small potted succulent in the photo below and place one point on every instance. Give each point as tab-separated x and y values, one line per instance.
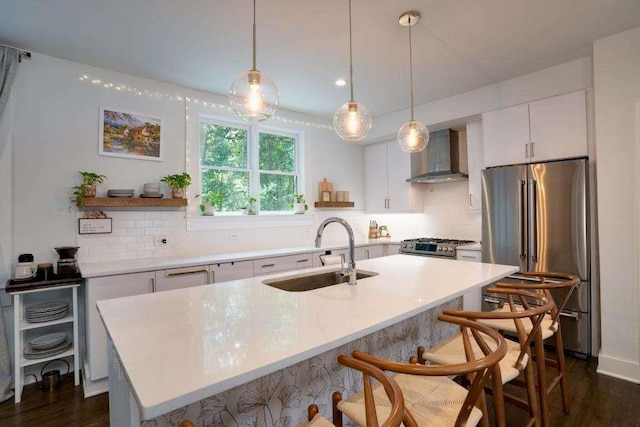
299	204
178	184
88	187
209	203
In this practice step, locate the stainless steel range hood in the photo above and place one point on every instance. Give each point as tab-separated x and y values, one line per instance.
440	161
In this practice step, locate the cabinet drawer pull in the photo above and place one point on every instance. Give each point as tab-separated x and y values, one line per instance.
186	273
467	257
153	285
267	265
303	260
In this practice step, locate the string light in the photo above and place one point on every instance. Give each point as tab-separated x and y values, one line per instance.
174	97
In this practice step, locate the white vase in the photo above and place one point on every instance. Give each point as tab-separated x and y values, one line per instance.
298	208
209	210
244	211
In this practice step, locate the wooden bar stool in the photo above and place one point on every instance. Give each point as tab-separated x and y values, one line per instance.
516	360
431	398
563	284
383	403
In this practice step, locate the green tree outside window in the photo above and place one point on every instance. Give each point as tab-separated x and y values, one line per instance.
226	167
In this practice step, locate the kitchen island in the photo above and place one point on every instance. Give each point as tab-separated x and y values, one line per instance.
178	348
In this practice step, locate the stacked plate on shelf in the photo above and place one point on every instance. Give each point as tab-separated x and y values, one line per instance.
152	190
47	311
47	345
120	193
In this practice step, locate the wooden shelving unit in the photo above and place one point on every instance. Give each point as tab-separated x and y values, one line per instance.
334	204
132	202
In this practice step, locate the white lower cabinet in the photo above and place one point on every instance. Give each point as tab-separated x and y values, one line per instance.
184	277
391	249
369	252
101	288
473	300
226	271
266	266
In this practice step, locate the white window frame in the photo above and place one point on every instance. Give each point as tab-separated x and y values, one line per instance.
253	143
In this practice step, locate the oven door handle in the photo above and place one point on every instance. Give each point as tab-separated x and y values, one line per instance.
492	300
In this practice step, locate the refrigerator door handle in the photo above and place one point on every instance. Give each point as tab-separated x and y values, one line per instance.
534	220
523	222
572	315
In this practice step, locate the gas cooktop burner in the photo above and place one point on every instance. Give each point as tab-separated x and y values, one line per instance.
431	246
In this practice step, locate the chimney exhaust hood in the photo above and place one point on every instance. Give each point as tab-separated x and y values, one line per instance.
440	161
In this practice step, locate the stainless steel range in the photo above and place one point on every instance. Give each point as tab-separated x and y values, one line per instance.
428	246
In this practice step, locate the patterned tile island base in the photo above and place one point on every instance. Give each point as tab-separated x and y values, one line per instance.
281	399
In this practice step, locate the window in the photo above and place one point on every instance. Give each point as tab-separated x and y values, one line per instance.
241	162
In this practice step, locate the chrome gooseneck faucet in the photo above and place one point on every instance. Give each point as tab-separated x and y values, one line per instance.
351	266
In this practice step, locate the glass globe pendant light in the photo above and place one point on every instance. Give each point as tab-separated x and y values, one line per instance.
352	121
413	136
253	95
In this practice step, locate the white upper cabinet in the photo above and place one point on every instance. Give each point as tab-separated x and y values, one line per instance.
386	169
548	129
506	136
475	159
375	177
559	127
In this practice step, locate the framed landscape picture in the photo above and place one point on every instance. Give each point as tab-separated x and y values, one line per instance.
132	135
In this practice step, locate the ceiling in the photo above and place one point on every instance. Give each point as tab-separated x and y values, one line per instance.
459	45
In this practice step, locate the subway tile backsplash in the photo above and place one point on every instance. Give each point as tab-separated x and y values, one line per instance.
133	236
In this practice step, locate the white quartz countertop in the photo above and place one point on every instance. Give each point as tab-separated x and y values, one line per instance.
180	346
98	269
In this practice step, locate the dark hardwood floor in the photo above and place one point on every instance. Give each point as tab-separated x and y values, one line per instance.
596	400
63	407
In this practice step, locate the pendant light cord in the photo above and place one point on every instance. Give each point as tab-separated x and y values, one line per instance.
411	66
254	36
350	54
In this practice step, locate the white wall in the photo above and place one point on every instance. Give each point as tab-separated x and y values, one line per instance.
617	95
56	134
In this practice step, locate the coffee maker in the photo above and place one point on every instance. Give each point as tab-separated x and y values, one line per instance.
67	264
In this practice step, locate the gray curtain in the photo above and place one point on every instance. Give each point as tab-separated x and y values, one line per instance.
9	59
8	66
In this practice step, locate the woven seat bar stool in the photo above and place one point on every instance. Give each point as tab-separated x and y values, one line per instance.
517	358
431	398
384	403
555	287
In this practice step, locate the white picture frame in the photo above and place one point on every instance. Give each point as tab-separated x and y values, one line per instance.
130	135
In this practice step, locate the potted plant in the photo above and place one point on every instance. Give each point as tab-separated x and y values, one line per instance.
89	182
249	206
88	187
209	203
178	184
299	204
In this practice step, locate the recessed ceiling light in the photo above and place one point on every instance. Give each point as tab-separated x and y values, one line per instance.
341	82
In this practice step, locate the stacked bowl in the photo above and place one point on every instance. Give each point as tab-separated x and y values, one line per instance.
152	190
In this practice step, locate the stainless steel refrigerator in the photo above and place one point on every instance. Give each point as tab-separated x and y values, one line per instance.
536	216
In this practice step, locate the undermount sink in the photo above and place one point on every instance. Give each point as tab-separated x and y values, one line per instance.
309	282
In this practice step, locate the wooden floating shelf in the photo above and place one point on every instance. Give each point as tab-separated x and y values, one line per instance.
334	204
132	202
